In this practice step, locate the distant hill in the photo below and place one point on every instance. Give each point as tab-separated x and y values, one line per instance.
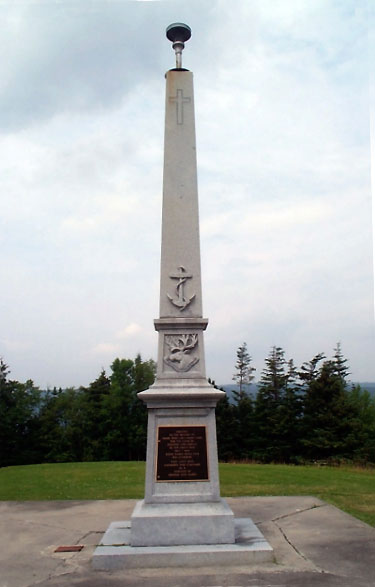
253	387
230	387
369	385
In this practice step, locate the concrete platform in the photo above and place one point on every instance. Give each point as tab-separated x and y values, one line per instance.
315	545
114	551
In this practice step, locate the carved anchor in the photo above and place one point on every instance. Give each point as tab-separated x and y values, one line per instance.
181	302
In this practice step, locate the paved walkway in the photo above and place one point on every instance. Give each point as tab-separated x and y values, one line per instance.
315	544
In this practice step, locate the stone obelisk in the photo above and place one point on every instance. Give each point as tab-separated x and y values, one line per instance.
182	502
182	520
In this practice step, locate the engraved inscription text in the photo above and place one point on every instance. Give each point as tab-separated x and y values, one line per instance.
181	454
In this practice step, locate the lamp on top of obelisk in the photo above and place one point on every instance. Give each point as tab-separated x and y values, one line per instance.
178	33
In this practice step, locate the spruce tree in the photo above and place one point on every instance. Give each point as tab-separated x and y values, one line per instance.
244	371
277	410
290	416
309	370
328	418
340	363
243	410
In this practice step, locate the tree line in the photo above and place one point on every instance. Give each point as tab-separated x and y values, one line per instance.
101	422
310	414
297	415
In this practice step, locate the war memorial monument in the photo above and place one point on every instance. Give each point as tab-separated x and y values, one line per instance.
182	520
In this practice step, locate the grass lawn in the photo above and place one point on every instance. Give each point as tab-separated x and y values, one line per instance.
351	489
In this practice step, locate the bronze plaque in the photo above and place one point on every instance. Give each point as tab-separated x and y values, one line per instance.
182	453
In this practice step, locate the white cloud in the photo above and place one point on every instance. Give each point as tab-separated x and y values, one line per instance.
129	331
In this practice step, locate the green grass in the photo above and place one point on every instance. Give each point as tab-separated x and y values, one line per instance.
351	489
109	480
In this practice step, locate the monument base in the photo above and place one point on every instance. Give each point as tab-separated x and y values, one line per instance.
114	551
171	524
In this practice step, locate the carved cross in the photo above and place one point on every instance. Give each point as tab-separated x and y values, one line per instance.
180	101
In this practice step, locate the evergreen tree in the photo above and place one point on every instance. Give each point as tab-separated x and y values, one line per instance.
243	409
117	410
340	363
8	418
361	439
244	370
244	430
273	377
309	370
327	421
64	426
267	403
18	420
290	416
93	423
277	410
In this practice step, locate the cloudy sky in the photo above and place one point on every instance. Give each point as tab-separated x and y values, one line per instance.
282	97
